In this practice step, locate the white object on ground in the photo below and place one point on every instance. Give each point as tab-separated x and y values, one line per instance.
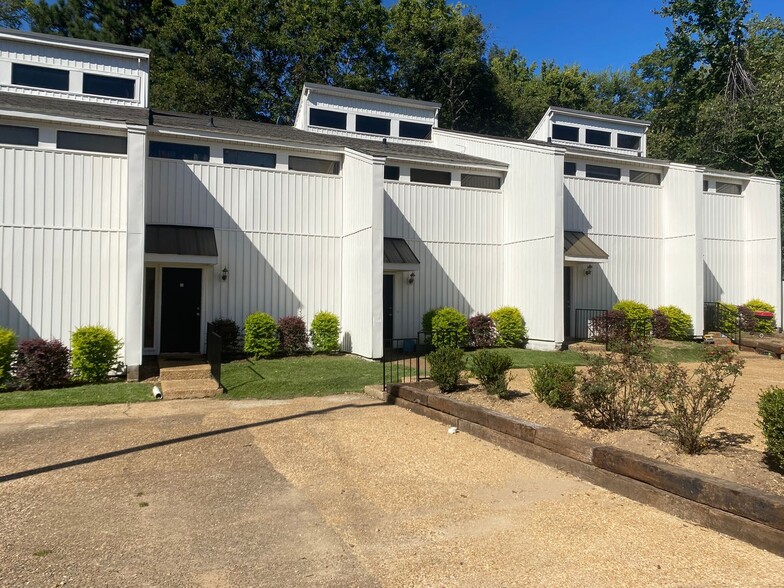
157	392
452	430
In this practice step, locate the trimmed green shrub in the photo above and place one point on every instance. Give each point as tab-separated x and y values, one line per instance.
638	317
690	402
446	363
261	335
771	412
678	324
7	348
491	369
95	351
427	319
728	318
510	325
450	328
229	332
293	335
41	364
554	384
481	332
763	325
325	332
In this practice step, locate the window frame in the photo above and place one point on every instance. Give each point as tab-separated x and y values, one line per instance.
412	125
89	75
96	142
560	128
638	143
438	172
590	166
605	135
252	154
646	173
12	128
324	111
177	158
63	74
332	163
363	117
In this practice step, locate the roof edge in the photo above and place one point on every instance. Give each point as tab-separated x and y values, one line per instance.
74	43
370	96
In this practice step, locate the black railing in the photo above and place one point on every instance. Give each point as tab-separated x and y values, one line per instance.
610	327
404	360
214	344
584	327
721	318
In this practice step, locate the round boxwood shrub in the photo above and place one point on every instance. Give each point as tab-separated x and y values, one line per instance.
446	363
481	332
325	332
41	364
427	320
261	335
450	328
638	316
95	351
554	384
728	318
491	368
7	348
762	325
771	412
510	325
293	335
678	324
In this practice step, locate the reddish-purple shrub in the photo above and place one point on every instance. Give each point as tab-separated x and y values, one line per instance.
661	325
293	335
610	326
481	332
41	364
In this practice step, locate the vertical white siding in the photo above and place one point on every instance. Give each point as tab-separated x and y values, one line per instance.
278	233
62	233
724	269
763	242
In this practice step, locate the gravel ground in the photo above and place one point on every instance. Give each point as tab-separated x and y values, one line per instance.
338	491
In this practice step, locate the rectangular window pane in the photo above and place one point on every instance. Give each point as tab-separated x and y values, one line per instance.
391	172
108	86
704	185
19	135
372	124
179	151
566	133
91	142
39	77
595	137
327	118
149	307
413	130
602	173
478	181
628	141
317	166
570	168
252	158
642	177
431	176
728	188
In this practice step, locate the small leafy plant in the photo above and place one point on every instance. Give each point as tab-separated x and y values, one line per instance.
771	412
325	332
638	317
491	368
261	335
554	384
7	348
95	352
293	335
677	325
481	332
511	327
229	332
450	328
427	320
690	402
41	364
446	364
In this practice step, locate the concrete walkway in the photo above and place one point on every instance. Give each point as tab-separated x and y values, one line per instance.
341	491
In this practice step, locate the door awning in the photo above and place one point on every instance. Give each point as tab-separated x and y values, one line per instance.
398	255
179	243
579	247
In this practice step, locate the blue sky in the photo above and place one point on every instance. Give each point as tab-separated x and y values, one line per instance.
597	34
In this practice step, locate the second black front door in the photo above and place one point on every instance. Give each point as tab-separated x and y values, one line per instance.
389	308
180	310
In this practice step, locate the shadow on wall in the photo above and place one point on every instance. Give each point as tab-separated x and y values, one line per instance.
712	289
574	217
12	318
590	293
253	284
433	287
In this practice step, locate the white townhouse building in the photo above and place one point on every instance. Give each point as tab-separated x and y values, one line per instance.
154	223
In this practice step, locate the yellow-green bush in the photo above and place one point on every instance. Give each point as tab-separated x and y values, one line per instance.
95	351
7	348
510	324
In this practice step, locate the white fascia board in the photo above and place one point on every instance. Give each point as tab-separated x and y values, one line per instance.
363	156
63	119
617	158
584	259
74	44
402	267
309	87
180	259
507	142
498	166
596	116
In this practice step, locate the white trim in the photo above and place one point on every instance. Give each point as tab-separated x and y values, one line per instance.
180	260
571	259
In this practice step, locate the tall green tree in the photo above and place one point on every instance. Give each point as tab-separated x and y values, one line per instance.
12	13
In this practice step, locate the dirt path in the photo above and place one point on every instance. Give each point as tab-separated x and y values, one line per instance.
338	491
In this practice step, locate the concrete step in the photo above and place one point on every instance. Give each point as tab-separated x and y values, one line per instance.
186	372
193	388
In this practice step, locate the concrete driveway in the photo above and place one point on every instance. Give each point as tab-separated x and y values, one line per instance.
340	491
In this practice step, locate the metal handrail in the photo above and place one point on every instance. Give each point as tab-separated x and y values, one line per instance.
214	353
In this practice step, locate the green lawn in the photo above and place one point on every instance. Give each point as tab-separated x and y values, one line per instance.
114	393
682	352
526	358
317	375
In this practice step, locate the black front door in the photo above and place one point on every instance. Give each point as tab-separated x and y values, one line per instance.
567	302
389	308
180	310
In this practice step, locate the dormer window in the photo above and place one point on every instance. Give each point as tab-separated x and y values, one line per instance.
327	118
412	130
628	141
373	125
108	86
566	133
594	137
35	76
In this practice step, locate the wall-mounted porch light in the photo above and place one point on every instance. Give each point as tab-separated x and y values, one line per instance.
588	269
411	277
224	274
